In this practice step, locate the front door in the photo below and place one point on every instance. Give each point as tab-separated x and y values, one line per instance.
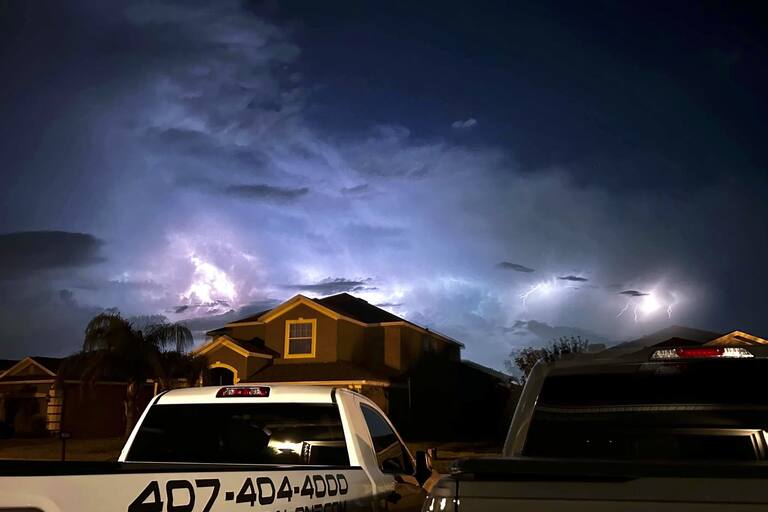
221	376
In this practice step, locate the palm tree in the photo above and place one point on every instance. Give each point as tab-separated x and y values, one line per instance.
115	348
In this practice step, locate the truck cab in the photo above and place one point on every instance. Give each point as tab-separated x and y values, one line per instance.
665	429
272	447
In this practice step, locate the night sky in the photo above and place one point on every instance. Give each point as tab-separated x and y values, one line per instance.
503	172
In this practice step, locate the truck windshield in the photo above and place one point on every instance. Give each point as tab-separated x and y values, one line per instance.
244	433
713	410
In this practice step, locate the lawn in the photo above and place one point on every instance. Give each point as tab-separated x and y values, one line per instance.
50	449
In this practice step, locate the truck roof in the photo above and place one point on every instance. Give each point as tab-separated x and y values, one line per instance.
608	361
277	393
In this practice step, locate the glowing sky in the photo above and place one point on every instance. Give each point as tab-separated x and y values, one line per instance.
502	175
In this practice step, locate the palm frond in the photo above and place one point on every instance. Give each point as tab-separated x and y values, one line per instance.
175	335
107	331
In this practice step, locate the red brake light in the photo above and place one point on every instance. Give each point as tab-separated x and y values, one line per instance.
242	391
699	352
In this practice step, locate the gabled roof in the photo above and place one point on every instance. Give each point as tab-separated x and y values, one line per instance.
48	367
358	309
50	363
7	363
339	306
738	338
496	374
254	347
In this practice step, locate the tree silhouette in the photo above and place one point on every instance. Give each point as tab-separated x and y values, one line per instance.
523	360
115	348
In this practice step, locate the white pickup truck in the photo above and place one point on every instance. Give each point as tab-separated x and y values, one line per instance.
672	429
236	448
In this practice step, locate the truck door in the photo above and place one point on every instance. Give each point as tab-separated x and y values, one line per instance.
394	463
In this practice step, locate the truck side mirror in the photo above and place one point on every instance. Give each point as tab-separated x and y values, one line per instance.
423	467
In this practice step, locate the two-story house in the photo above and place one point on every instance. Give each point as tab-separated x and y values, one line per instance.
343	340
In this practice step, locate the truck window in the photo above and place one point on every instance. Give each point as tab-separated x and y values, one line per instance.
390	452
706	410
245	433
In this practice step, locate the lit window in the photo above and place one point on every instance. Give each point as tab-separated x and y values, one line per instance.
300	338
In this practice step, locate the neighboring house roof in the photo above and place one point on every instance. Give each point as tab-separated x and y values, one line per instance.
679	342
7	363
52	364
686	333
339	371
342	305
47	366
490	371
738	338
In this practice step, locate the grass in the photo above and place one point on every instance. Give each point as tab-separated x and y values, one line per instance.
50	449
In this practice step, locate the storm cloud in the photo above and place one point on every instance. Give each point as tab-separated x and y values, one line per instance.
332	285
265	192
577	279
633	293
199	158
516	267
23	254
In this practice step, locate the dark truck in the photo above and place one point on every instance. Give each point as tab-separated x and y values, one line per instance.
678	428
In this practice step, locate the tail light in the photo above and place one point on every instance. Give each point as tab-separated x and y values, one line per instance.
700	353
242	391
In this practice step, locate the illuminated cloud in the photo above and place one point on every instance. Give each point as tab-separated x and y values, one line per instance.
207	170
464	125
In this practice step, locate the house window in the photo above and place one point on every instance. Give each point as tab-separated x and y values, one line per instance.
300	337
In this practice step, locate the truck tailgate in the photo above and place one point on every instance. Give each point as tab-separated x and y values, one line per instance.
52	487
558	485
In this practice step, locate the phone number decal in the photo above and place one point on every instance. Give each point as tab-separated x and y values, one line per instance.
181	495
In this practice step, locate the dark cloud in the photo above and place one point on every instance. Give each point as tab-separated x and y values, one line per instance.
331	285
633	293
208	308
542	332
268	192
41	321
573	278
23	254
516	267
386	305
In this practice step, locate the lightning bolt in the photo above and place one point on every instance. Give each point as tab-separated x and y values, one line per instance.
527	294
623	310
671	305
635	311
